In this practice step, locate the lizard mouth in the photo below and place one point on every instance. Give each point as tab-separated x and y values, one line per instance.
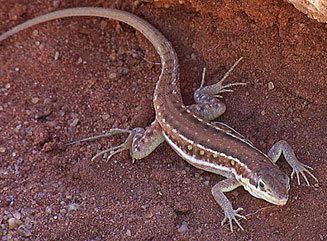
279	202
276	201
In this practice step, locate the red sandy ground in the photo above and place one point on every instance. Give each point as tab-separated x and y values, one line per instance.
101	79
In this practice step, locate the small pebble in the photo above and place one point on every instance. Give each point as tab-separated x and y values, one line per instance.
103	24
135	54
183	227
7	86
35	32
125	71
112	76
105	116
271	86
74	122
297	119
63	211
17	215
113	57
166	5
40	135
16	69
56	56
69	196
2	149
235	193
37	43
144	206
9	199
3	174
48	210
13	223
62	113
72	207
56	3
128	233
181	206
79	61
24	231
35	100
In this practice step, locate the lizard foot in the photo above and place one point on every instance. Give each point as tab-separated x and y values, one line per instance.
116	149
300	168
219	87
232	215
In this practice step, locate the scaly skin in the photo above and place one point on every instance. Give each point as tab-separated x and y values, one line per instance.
211	146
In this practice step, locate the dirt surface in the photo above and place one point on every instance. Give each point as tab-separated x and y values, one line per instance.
73	78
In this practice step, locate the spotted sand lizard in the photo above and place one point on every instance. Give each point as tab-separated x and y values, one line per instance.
190	130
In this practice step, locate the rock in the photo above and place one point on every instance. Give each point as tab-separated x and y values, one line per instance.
105	116
74	122
181	206
56	55
48	210
113	76
17	11
314	9
17	215
183	227
271	86
40	135
79	61
56	3
13	223
35	100
24	231
72	207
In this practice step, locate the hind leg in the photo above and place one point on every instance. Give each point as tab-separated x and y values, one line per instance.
140	142
208	106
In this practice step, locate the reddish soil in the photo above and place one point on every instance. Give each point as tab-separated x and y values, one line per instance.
73	78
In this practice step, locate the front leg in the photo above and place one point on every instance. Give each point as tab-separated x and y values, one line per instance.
297	166
208	106
140	142
218	190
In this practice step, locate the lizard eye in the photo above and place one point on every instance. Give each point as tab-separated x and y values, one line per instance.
261	185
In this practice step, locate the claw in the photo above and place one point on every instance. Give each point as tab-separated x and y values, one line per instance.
224	88
302	169
232	215
113	150
111	132
219	87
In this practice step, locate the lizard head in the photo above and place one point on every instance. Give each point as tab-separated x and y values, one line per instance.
270	184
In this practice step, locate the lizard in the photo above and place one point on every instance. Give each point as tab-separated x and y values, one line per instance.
191	131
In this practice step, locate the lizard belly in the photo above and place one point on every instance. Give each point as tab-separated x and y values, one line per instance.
199	163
